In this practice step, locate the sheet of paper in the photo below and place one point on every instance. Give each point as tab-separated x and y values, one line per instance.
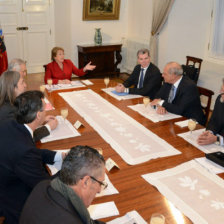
104	210
48	105
109	190
87	82
192	138
151	113
182	124
132	217
110	90
74	84
62	131
57	165
210	166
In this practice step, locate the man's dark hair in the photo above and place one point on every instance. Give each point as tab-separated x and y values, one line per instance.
81	161
27	105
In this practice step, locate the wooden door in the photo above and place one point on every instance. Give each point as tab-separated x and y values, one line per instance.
27	27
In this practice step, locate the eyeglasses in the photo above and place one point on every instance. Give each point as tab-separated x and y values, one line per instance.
102	184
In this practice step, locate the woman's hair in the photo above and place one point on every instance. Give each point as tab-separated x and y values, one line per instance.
8	83
54	52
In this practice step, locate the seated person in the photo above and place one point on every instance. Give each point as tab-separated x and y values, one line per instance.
60	70
215	130
18	65
66	198
22	165
179	95
12	84
145	77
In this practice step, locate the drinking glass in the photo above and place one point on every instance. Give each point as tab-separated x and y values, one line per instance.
157	218
64	113
106	81
192	124
146	101
50	82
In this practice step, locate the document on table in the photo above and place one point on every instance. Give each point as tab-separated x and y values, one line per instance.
64	130
151	113
120	96
132	217
74	84
182	124
87	82
192	138
104	210
209	165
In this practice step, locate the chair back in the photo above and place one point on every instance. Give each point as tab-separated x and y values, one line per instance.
192	68
206	107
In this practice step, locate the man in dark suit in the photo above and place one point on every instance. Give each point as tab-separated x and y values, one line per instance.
215	130
178	95
66	198
146	77
21	163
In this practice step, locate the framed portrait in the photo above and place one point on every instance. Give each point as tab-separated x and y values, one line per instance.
101	9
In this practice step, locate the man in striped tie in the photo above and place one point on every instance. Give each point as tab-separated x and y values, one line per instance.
146	77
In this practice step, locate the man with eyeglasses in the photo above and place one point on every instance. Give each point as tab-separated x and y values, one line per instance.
18	65
66	198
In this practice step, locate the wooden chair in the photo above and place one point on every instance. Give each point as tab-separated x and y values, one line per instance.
192	68
208	93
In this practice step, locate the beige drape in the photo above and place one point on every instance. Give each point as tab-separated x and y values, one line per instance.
161	9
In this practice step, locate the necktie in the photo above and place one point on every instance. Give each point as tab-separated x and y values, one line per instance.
141	79
171	94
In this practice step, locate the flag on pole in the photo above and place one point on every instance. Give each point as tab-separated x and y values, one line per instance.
3	56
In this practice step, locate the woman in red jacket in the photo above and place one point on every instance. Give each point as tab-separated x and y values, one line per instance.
60	70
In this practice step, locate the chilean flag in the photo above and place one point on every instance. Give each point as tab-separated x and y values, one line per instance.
3	56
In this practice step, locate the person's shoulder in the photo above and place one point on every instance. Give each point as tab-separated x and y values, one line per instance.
153	67
50	64
68	61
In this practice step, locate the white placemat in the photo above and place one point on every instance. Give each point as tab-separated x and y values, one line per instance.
62	131
74	84
126	97
151	113
193	190
192	138
132	141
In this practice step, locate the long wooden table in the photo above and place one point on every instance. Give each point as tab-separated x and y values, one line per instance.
134	192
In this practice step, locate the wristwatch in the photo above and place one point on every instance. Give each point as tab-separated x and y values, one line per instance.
217	141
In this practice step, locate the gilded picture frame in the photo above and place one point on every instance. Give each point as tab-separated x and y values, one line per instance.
101	9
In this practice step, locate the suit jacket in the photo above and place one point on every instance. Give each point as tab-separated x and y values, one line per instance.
54	72
7	112
152	81
45	205
216	123
21	168
186	102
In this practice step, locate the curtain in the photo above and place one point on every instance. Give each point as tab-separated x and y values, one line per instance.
218	29
161	9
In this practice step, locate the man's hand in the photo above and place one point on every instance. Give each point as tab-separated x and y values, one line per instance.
120	88
155	102
206	138
51	121
161	110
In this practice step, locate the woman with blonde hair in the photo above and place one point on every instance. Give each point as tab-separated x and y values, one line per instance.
60	70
